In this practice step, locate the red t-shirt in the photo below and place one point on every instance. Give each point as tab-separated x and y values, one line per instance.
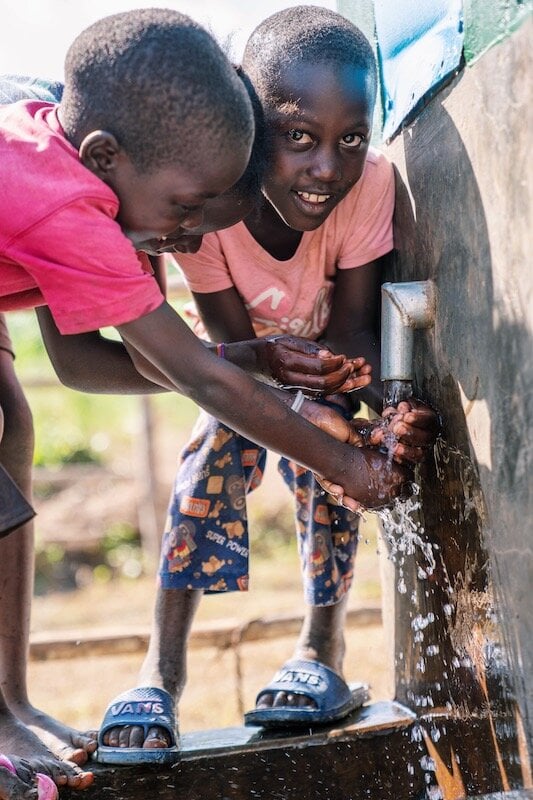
60	245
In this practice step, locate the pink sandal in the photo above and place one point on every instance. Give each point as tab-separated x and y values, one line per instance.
45	785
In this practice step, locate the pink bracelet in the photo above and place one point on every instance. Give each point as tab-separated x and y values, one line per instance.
221	350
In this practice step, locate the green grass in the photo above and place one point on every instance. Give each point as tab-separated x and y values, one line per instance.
74	427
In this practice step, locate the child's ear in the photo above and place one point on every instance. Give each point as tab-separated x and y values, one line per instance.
99	152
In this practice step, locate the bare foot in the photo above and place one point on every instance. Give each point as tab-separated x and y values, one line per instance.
17	738
66	743
127	712
20	785
285	700
19	782
321	639
133	736
12	788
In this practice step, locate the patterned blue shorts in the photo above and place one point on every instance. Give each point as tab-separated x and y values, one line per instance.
205	544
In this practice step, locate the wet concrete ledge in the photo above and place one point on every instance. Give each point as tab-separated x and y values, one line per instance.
369	752
381	752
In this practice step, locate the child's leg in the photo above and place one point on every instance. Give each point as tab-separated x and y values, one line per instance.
16	582
327	540
205	548
14	508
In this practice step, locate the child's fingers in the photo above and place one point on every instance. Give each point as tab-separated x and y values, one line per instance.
326	363
360	363
422	418
408	434
352	505
320	383
355	382
337	492
327	420
404	454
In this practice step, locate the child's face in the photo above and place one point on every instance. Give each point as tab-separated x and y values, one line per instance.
156	204
221	212
320	127
163	202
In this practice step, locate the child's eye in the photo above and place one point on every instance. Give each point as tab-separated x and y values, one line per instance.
353	140
299	136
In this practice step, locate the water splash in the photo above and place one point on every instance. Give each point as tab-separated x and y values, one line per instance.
404	534
396	391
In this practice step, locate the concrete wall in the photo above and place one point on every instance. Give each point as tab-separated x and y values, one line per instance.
464	219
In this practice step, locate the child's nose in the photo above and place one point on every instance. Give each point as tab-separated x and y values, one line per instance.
326	165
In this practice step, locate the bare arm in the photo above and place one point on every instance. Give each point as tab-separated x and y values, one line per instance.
224	315
90	363
245	405
289	360
354	323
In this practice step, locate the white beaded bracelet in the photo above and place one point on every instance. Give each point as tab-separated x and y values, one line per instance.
298	401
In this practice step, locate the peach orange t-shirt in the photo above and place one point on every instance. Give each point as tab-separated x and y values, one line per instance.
294	296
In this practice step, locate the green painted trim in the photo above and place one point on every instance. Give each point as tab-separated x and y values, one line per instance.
488	22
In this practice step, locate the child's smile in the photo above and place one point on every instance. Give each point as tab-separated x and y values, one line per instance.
320	127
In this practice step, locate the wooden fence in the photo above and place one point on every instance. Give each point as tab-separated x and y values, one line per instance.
225	635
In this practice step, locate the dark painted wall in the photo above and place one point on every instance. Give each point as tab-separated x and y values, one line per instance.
464	220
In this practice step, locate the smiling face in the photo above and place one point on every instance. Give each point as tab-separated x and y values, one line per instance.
320	126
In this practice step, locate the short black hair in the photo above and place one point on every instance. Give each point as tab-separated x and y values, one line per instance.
250	182
159	83
309	34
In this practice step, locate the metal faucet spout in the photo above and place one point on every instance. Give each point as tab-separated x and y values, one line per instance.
404	308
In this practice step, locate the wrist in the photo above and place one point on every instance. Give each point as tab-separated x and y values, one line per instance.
241	354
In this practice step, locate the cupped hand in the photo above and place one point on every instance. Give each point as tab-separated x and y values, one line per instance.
374	482
407	431
300	363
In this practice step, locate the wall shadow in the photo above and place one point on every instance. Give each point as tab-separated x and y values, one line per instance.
475	366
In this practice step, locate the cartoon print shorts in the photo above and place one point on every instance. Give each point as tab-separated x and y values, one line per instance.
206	544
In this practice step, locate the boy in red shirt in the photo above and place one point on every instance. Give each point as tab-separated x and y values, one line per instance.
153	122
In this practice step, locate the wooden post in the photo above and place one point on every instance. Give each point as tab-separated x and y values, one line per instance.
149	523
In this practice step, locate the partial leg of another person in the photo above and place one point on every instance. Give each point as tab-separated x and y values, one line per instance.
205	549
17	714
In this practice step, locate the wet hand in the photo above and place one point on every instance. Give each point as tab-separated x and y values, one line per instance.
301	363
361	376
375	482
408	431
330	421
336	491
